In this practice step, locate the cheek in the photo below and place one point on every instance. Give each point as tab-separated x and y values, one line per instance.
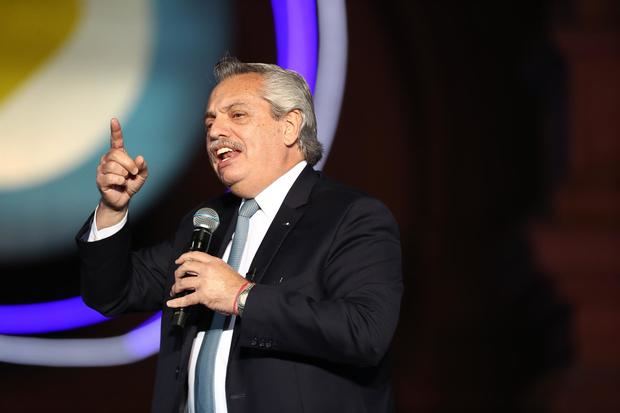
210	155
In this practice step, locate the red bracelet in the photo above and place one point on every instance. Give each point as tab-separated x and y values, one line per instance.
245	284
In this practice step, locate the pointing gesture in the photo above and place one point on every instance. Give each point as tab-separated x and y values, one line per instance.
116	135
119	177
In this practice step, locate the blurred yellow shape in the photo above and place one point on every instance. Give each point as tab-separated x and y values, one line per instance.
31	31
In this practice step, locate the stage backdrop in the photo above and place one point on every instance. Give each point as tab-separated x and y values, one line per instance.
469	121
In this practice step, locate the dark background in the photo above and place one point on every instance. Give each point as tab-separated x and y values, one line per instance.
489	128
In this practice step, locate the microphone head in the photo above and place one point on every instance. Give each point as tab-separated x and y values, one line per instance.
206	218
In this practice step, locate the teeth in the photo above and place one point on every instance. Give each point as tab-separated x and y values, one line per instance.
223	150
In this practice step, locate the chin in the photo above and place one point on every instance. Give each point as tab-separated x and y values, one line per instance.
231	184
235	189
227	178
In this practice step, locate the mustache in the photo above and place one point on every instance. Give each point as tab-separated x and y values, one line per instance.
224	143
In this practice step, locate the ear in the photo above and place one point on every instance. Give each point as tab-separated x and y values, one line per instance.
292	127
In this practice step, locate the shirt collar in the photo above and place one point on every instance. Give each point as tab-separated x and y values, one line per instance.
270	199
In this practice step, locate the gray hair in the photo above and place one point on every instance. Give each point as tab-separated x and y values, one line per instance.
285	90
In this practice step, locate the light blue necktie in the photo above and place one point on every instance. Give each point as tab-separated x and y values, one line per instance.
205	365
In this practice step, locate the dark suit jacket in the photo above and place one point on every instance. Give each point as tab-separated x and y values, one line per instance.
317	326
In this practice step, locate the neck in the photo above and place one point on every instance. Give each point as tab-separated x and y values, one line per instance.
248	192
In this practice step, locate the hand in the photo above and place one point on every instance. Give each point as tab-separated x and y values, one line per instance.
119	177
210	281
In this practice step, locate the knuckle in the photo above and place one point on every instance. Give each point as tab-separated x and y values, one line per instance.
115	155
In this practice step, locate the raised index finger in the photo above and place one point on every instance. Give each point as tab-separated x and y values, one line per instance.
116	135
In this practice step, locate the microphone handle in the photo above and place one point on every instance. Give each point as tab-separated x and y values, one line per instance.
201	239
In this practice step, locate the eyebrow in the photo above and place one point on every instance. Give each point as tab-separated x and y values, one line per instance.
211	114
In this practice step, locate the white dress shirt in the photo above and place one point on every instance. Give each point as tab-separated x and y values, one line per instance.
99	234
269	201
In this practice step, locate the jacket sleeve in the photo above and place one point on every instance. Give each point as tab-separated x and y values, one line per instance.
355	319
115	280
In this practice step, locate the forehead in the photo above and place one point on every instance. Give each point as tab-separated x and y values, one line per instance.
244	87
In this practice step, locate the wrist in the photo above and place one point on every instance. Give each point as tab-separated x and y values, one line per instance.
107	216
241	297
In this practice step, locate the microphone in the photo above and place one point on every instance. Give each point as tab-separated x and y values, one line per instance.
206	222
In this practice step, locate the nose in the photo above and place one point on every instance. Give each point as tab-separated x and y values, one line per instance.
217	129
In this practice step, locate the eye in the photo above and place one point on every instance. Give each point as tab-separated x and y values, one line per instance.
238	115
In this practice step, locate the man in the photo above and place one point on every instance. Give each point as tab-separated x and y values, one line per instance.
308	330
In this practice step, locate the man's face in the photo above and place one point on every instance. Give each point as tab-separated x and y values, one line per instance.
245	143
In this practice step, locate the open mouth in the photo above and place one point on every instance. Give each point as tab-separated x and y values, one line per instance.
225	154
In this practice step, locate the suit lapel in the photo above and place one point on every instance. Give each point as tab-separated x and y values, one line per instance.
288	215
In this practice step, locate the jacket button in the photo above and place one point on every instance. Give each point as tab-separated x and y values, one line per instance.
268	344
254	341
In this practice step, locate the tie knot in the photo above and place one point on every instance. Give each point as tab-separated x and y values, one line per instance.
249	208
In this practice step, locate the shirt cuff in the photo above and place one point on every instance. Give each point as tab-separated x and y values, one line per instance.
97	235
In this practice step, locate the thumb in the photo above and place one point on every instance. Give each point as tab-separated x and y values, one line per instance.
143	169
